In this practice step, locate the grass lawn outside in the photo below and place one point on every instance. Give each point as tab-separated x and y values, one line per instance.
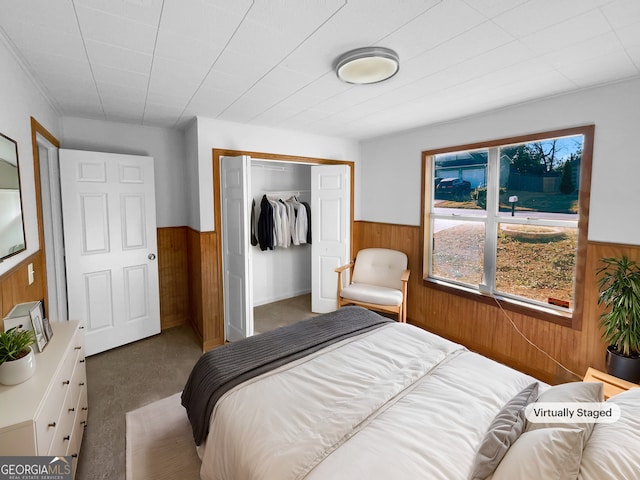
537	270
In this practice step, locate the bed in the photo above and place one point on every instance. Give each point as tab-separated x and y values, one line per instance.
378	399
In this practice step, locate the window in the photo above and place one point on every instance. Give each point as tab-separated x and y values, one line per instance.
504	220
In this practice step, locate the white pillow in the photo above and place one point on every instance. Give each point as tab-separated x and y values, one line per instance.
547	453
613	451
580	392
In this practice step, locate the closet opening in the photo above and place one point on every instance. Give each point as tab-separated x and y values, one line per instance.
270	284
281	275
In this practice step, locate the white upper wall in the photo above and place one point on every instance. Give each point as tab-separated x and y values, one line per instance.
235	136
391	168
165	145
21	99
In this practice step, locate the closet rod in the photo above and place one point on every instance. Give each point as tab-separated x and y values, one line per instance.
269	167
287	192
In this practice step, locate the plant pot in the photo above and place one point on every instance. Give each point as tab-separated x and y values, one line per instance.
18	371
626	368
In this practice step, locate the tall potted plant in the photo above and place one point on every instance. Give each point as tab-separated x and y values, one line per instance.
619	286
17	361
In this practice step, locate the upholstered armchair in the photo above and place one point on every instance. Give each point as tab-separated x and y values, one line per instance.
379	279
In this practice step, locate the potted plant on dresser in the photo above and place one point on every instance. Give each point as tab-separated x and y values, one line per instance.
17	360
619	287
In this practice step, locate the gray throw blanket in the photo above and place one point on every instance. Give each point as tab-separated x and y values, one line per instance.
222	368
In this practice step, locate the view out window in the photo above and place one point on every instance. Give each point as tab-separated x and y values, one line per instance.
505	218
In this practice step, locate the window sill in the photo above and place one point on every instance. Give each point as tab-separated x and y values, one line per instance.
570	320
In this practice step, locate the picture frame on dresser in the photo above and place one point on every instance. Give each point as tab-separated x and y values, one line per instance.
48	331
38	328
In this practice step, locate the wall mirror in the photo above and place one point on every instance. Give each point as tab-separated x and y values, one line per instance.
11	221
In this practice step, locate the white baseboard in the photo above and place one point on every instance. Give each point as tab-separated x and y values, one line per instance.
284	296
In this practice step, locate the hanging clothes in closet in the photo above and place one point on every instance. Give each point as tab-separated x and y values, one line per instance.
281	223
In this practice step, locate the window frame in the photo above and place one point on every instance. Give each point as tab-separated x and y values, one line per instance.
569	319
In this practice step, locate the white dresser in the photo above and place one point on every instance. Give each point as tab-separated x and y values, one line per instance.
46	415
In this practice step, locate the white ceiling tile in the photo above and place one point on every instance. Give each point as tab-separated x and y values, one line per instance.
142	11
438	25
634	56
186	48
106	74
606	68
566	33
210	100
585	50
41	14
205	22
155	112
125	117
537	15
622	13
177	98
117	57
175	79
45	40
476	41
277	114
42	63
630	35
491	8
116	30
126	93
114	105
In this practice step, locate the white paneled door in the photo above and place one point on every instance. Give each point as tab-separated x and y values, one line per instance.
108	204
236	258
330	226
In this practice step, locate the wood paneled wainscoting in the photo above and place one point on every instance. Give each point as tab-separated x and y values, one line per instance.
188	276
15	288
485	328
204	289
173	276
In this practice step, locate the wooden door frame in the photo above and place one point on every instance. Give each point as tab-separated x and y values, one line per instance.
273	157
38	129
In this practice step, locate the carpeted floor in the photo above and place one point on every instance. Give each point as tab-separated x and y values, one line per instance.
278	314
135	375
161	450
122	380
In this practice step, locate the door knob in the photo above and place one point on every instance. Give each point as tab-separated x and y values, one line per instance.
151	256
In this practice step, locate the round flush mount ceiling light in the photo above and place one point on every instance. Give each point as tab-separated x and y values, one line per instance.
367	65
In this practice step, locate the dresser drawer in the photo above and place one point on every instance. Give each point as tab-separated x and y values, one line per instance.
50	416
79	425
63	431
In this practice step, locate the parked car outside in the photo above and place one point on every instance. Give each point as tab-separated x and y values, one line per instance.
455	188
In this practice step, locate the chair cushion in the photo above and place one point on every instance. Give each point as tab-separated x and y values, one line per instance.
372	294
379	266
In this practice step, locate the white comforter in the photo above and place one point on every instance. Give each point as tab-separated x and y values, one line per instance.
395	403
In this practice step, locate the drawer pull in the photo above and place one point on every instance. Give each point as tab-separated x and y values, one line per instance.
66	438
52	425
84	409
72	409
74	455
81	384
81	327
82	361
83	422
66	382
77	348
